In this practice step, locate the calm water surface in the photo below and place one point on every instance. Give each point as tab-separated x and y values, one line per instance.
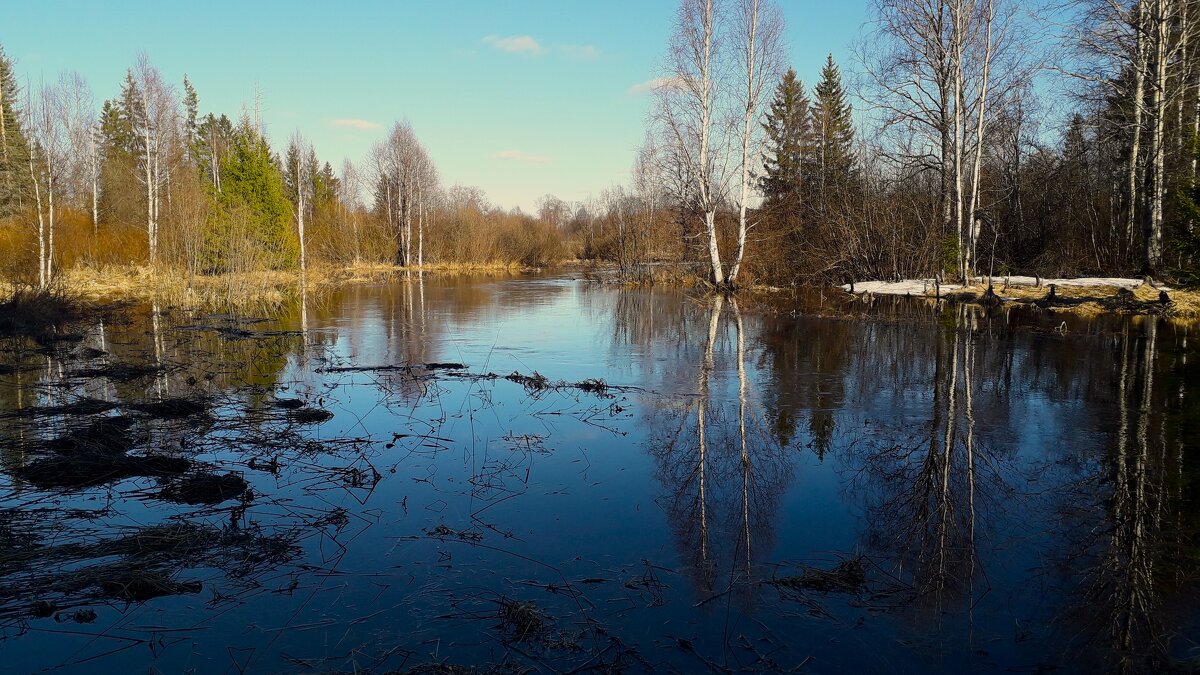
694	486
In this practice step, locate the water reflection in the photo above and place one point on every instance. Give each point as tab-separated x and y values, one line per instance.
566	476
723	472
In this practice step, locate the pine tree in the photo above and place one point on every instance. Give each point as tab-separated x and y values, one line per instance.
14	170
833	164
787	128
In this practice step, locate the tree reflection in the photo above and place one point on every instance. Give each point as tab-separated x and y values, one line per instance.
722	469
923	492
1135	545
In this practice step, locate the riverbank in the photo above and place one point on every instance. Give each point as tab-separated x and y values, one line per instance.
1086	296
172	287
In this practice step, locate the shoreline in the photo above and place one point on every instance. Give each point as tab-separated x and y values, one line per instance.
1083	296
262	290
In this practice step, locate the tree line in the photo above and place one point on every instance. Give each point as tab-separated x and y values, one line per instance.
148	178
950	168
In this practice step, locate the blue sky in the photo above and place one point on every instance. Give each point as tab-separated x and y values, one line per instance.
520	98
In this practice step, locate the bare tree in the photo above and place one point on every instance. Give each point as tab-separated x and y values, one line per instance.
759	25
405	176
154	124
935	78
300	175
49	146
687	110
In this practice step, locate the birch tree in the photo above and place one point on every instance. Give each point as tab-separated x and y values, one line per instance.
154	123
936	86
759	25
298	181
83	159
686	109
48	165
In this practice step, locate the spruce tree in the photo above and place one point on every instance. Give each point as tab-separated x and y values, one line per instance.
14	169
191	109
253	206
787	128
833	165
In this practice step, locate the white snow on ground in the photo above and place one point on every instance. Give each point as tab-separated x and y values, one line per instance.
926	286
905	287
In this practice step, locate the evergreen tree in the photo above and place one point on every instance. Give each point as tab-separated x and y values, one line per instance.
14	169
191	111
254	213
787	128
327	188
833	164
214	136
122	200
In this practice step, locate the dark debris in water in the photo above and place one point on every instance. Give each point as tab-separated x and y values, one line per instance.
79	407
120	372
133	585
169	408
521	621
87	469
445	531
289	403
309	415
205	488
849	576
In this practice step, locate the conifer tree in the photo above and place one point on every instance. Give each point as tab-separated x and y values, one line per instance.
13	149
254	208
787	127
833	168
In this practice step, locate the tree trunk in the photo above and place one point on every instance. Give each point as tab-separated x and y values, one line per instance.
957	37
1153	224
981	113
37	195
95	176
748	121
1139	94
705	173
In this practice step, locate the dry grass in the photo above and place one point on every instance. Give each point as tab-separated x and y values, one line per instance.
170	287
243	291
1098	300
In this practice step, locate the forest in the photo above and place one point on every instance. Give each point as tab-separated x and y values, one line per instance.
934	154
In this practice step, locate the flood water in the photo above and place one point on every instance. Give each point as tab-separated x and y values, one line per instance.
549	475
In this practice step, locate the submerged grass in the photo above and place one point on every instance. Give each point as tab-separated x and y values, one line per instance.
25	310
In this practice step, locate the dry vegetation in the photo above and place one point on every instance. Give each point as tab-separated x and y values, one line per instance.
1096	300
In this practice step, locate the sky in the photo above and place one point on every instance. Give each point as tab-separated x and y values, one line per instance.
521	98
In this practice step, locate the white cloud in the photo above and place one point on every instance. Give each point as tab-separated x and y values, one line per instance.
655	84
587	52
515	44
523	157
354	124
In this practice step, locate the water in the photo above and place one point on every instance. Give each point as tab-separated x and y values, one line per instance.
887	487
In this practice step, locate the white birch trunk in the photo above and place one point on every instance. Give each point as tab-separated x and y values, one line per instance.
705	174
747	127
981	113
957	36
37	194
1153	229
1139	94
